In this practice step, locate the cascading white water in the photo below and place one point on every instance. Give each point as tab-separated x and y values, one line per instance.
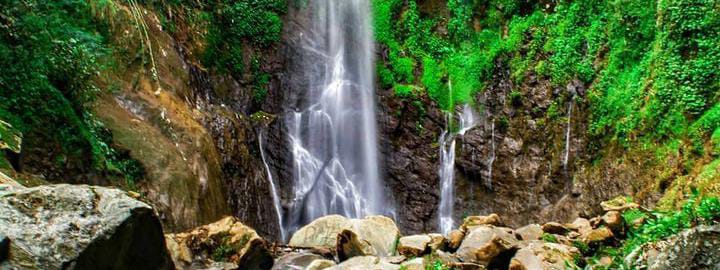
447	165
566	155
333	133
273	190
491	160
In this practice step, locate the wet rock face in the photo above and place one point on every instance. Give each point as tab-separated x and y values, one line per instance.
80	227
528	183
244	174
191	130
410	159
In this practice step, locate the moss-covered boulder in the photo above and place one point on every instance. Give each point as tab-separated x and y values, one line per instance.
541	255
227	240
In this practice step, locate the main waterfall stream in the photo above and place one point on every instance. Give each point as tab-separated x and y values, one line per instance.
333	133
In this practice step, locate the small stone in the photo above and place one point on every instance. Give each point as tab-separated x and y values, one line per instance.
605	260
530	232
299	261
466	266
472	221
618	204
413	246
555	228
365	263
614	220
320	264
414	264
455	238
437	242
598	235
581	225
395	259
134	194
446	257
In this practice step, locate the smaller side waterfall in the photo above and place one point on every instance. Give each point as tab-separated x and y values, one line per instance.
566	155
273	189
491	160
447	165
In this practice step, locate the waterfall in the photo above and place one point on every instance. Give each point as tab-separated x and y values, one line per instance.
273	190
491	160
447	165
566	155
332	131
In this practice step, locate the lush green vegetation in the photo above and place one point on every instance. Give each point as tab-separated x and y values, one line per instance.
54	53
236	34
652	66
655	226
237	23
51	52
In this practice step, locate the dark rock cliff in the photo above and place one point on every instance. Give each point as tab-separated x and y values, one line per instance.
529	180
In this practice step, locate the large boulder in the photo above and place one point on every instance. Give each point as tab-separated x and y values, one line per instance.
80	227
541	255
373	235
227	240
696	248
484	243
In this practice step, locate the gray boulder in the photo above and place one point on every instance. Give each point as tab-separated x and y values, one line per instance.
80	227
373	235
484	243
696	248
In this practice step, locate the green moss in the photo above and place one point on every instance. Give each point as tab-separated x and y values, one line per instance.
405	91
235	24
550	238
52	53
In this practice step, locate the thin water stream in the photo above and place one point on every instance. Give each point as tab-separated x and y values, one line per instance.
467	120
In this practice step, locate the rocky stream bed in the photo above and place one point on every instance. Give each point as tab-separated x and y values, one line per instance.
87	227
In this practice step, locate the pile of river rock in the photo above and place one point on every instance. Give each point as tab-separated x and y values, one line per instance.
85	227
